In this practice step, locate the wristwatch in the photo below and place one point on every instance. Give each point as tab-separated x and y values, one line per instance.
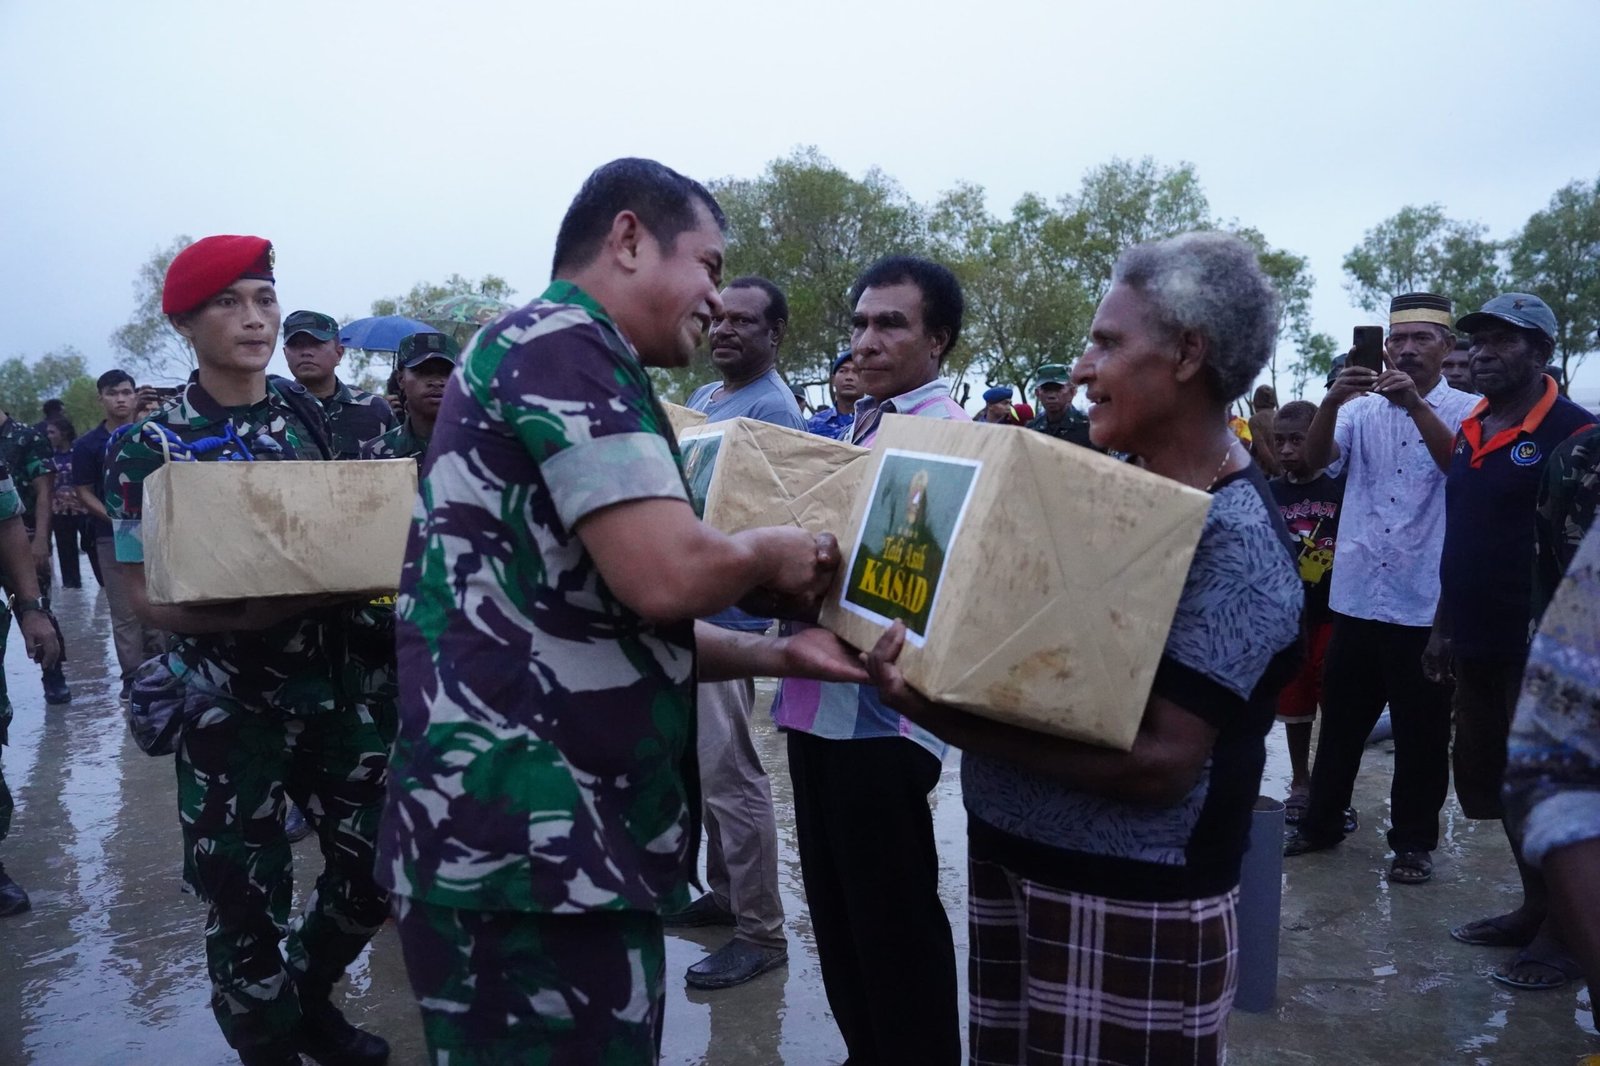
21	606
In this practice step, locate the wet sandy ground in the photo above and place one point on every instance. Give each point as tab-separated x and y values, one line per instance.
108	967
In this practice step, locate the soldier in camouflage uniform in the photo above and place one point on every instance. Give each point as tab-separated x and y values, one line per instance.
25	451
276	706
425	363
38	629
542	798
1568	498
312	349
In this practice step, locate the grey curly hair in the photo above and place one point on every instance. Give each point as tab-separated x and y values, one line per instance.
1211	283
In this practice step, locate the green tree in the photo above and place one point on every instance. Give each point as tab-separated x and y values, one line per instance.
1556	256
59	374
1421	250
812	228
1123	203
149	345
1291	276
426	294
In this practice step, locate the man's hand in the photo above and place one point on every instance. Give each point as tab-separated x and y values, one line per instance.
818	654
1438	662
39	638
807	566
894	690
1349	383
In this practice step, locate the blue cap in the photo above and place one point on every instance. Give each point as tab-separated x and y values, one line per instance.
999	392
840	360
1520	309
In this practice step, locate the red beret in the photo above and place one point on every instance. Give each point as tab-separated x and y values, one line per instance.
210	265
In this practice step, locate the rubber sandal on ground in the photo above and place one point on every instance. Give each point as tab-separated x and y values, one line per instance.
1294	807
1299	844
1500	931
1411	868
1550	973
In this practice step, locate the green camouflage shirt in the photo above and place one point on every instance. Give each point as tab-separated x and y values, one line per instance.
355	416
290	665
10	507
401	442
1568	497
26	453
545	754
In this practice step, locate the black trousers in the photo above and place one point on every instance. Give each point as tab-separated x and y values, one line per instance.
68	530
871	875
1369	664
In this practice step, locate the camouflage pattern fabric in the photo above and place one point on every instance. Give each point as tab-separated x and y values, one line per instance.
545	760
236	758
401	442
1565	510
10	507
26	453
502	987
354	417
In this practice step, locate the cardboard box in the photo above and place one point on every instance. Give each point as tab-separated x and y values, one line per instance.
744	474
1037	579
226	531
682	418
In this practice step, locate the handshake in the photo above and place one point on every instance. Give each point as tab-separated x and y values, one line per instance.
802	567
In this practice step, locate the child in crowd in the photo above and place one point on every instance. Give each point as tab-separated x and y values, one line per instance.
1310	501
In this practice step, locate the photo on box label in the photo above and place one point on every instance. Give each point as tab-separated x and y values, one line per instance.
699	463
916	506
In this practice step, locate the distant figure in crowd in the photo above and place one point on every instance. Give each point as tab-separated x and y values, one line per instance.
311	348
279	701
741	834
1057	417
1457	367
997	409
844	389
426	361
26	453
1263	445
52	409
1395	433
134	642
66	512
861	772
39	634
1552	785
1480	638
544	801
803	404
1102	884
1309	499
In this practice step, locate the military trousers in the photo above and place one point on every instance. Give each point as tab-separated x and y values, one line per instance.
6	805
237	765
503	988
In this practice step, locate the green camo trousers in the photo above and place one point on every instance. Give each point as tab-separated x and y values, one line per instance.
508	988
236	765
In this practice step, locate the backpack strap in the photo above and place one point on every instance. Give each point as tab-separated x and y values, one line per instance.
306	409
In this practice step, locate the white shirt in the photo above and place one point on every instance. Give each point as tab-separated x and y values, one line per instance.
1391	531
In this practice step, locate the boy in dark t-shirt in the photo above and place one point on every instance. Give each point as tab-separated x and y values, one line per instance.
1310	501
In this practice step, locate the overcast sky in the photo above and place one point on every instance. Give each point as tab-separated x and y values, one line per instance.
381	143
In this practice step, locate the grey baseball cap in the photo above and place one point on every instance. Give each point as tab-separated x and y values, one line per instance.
1520	309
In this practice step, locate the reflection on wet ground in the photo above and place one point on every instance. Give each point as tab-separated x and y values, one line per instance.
108	967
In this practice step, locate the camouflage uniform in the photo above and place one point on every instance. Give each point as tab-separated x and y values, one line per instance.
25	450
10	507
1073	427
401	442
354	417
278	712
545	763
1568	498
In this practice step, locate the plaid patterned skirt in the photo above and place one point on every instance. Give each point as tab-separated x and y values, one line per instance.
1063	977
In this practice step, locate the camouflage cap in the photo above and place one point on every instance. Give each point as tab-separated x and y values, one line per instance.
1052	374
421	347
319	325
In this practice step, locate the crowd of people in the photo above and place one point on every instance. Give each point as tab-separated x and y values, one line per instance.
518	759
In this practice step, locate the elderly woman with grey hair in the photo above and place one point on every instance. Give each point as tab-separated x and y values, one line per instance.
1102	884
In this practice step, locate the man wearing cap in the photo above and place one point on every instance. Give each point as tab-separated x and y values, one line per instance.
273	712
27	454
997	409
1053	385
845	387
741	835
426	362
312	349
39	632
1393	432
1481	634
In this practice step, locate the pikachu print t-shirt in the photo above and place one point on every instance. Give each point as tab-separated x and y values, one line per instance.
1311	511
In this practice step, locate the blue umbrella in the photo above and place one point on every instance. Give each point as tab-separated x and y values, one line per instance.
382	333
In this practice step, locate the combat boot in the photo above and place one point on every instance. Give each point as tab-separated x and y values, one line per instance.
271	1055
13	900
55	686
331	1040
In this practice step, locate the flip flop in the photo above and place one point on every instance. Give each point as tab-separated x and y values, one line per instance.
1560	969
1411	868
1294	807
1500	931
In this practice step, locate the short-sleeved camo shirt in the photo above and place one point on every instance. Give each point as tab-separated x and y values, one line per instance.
26	453
10	507
543	724
401	442
290	665
355	416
